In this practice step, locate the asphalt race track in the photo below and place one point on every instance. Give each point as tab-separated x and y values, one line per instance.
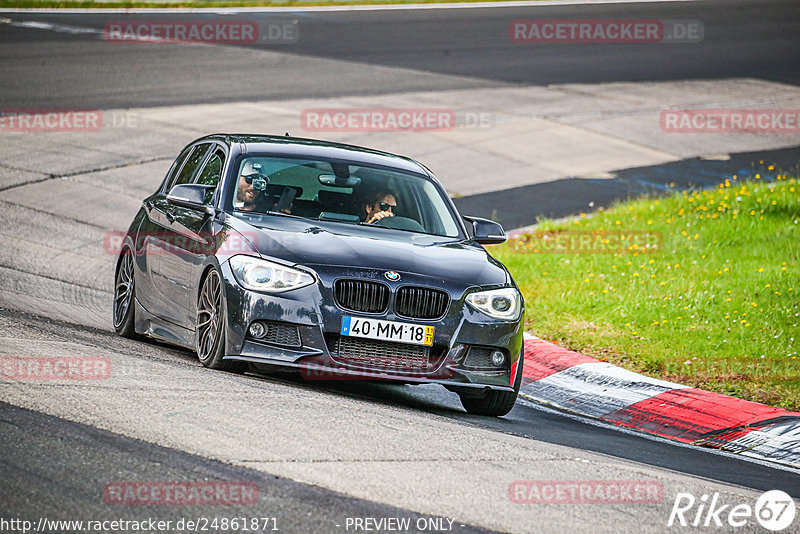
446	48
320	454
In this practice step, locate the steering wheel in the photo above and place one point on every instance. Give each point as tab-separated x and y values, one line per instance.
401	223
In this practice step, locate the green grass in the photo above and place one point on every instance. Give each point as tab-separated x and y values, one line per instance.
715	304
158	4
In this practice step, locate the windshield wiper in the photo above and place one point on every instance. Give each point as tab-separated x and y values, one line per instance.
373	225
281	214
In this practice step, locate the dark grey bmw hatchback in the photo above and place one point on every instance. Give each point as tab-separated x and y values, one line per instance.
338	261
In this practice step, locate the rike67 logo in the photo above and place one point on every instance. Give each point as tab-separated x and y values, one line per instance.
774	510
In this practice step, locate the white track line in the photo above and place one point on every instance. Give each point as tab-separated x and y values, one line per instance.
311	9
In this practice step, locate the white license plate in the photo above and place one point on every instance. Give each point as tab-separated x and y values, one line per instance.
415	334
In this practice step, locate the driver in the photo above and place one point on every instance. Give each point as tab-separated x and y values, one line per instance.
380	204
251	185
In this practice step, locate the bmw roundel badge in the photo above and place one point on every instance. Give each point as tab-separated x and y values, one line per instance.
392	276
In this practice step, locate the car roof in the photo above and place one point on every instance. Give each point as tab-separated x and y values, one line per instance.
315	148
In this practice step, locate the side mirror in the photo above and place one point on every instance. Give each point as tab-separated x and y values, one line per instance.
487	232
191	196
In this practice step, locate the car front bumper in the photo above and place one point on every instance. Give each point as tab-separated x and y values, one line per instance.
313	313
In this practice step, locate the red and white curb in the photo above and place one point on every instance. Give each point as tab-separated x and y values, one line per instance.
571	381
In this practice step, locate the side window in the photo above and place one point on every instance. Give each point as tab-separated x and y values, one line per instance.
211	172
194	159
176	166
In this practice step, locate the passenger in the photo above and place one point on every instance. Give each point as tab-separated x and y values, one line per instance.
382	203
251	185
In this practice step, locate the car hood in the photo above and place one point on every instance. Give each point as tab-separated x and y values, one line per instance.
454	262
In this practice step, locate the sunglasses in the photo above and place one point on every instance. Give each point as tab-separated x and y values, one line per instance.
385	206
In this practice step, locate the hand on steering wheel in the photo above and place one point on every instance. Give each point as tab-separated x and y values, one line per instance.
377	216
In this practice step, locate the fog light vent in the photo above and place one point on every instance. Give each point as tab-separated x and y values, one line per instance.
485	359
257	330
274	332
498	358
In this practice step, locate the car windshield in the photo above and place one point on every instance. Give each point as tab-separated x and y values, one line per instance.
344	193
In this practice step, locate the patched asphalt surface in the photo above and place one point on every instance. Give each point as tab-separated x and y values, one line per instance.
323	452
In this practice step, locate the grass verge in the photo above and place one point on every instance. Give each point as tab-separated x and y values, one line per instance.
195	4
701	288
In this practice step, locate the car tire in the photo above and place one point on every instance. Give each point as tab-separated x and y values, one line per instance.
493	403
124	310
210	327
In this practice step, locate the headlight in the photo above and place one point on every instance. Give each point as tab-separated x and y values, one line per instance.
266	276
497	303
